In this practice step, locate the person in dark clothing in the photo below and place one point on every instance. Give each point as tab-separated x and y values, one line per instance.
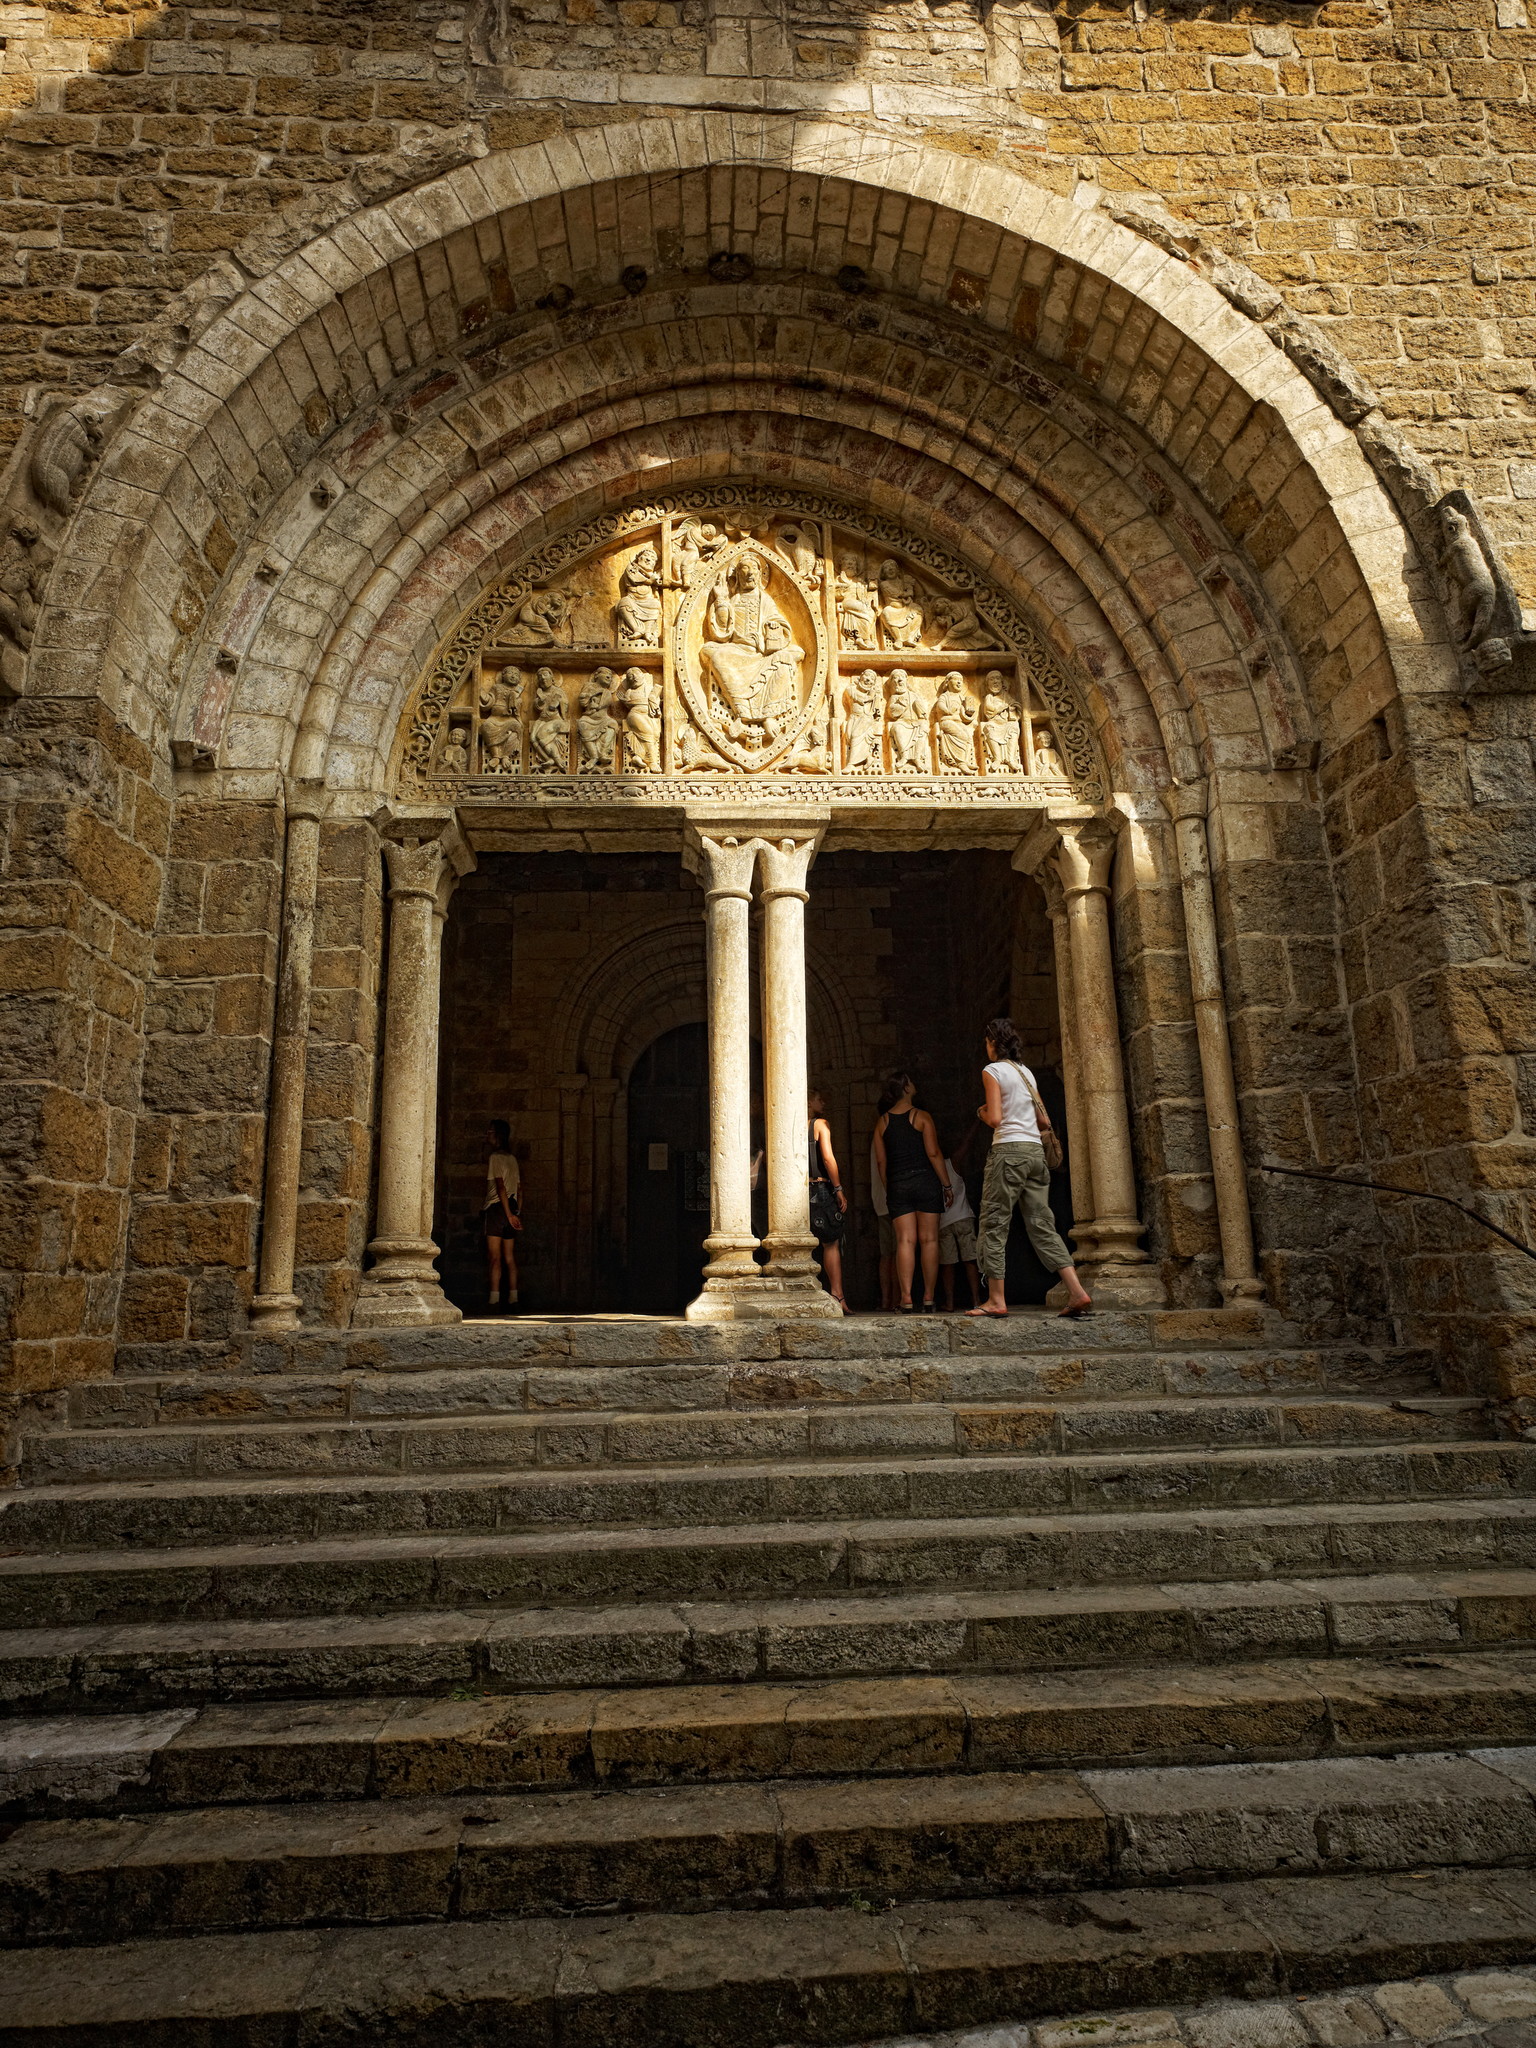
911	1165
829	1204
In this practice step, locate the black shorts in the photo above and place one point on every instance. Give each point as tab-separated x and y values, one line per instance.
916	1191
494	1224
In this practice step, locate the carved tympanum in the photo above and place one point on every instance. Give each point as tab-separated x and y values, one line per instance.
740	634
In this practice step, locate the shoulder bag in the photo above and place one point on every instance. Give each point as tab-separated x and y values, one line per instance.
1050	1144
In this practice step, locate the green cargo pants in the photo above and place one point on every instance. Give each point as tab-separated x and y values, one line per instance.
1018	1174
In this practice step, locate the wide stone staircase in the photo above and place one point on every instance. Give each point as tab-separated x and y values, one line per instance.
624	1682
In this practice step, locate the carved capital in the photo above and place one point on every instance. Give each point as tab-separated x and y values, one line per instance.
1186	800
426	854
723	863
1085	855
786	864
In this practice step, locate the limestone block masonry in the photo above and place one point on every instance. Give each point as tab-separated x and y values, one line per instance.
598	564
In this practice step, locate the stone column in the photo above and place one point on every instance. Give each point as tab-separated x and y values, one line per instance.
1239	1275
425	857
1081	851
723	861
786	859
275	1306
1084	1238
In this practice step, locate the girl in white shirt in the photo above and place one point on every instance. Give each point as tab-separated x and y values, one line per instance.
500	1221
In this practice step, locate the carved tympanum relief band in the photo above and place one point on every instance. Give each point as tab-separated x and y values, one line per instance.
745	635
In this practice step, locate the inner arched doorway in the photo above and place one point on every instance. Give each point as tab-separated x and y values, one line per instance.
668	1179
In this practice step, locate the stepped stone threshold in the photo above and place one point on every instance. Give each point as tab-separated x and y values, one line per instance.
602	1680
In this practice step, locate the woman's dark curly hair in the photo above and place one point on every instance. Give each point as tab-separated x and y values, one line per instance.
1005	1039
896	1085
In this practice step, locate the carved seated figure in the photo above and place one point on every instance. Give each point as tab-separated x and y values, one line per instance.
596	727
640	695
999	726
638	612
749	654
908	721
1049	765
954	728
501	730
550	736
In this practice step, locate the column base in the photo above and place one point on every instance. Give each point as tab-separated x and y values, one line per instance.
413	1304
402	1289
739	1299
1114	1285
275	1311
1241	1293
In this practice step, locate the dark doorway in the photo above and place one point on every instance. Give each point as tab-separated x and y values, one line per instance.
668	1172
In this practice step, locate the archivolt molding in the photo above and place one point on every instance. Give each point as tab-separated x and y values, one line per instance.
253	398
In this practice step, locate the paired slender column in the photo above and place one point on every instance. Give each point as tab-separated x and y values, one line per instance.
725	855
1080	852
275	1306
724	864
402	1286
1080	1172
1239	1274
786	862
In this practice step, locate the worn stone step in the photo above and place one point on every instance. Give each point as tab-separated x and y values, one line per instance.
606	1338
753	1980
699	1848
896	1374
378	1445
575	1563
848	1494
391	1748
114	1668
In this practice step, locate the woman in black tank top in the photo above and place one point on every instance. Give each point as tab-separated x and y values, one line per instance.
911	1165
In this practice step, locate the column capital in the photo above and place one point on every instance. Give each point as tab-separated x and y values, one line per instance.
426	853
1080	851
787	856
722	861
1187	799
305	797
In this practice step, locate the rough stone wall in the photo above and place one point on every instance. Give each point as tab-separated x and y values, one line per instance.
197	1156
1371	160
84	827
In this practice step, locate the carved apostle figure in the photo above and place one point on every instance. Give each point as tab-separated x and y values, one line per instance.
855	608
550	737
901	615
544	618
1048	763
907	716
864	701
749	653
455	752
999	726
596	727
954	728
640	694
638	612
958	624
501	729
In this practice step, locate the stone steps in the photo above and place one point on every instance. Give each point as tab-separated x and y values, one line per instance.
684	1556
104	1669
702	1848
914	1485
381	1446
419	1747
756	1979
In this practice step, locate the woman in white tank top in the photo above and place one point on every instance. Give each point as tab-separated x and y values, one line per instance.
1017	1176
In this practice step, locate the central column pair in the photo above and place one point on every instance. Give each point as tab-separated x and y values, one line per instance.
728	855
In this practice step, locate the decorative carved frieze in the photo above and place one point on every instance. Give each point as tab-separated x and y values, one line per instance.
739	635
